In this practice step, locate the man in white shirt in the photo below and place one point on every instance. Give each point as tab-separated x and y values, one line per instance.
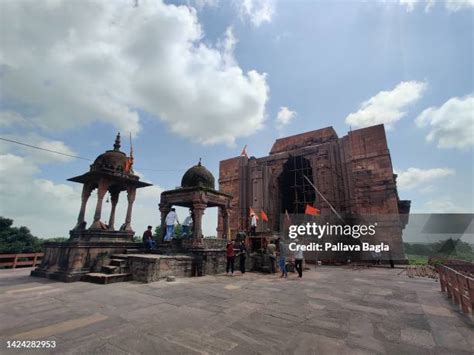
171	218
253	225
298	255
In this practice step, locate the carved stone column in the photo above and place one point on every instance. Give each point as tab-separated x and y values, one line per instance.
198	210
164	210
225	217
131	193
86	192
101	191
114	197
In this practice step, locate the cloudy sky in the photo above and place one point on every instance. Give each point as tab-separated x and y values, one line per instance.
203	78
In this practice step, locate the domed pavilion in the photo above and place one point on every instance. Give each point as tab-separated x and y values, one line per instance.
197	192
111	172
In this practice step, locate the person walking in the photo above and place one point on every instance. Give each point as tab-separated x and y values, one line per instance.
242	256
298	255
170	220
230	257
282	259
271	250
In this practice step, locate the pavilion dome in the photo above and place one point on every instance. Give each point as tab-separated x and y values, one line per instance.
114	160
198	176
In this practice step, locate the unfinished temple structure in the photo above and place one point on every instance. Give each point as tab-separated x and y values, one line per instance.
354	173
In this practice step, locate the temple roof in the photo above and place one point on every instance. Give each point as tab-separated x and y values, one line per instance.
198	176
112	165
303	140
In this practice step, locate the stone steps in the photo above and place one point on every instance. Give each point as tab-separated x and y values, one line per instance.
104	279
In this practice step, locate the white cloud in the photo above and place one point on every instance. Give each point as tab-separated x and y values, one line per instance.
452	124
200	4
409	4
38	156
257	11
414	177
284	117
70	63
450	5
387	106
50	209
442	204
456	5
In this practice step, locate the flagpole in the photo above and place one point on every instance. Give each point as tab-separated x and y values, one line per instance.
324	198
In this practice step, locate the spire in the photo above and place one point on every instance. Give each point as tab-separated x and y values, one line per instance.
199	164
117	142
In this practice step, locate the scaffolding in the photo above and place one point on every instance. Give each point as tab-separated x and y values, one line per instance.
296	191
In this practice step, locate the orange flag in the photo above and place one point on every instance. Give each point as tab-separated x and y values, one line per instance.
313	211
264	216
251	212
244	151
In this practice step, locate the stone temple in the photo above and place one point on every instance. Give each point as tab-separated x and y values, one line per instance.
354	173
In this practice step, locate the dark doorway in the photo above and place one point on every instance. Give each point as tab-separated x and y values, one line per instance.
295	190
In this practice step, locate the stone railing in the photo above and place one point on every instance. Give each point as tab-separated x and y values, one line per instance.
458	285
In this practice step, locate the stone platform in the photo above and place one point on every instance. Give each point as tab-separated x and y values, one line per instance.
332	310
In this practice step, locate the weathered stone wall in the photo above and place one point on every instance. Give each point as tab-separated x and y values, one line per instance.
150	268
69	261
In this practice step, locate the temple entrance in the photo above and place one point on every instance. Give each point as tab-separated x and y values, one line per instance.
295	190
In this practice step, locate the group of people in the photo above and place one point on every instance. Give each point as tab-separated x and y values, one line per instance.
231	254
279	249
275	250
171	220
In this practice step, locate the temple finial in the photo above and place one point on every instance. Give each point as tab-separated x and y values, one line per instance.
199	164
117	142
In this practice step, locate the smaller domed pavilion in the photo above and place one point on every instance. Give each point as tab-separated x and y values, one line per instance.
197	192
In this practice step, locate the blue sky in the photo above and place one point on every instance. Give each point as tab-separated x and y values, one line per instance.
204	82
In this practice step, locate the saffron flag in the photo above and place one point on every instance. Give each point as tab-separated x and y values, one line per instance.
129	162
264	216
313	211
252	213
244	151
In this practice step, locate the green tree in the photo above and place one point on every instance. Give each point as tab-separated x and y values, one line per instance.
15	240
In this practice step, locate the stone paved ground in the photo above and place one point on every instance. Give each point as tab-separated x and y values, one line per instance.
331	311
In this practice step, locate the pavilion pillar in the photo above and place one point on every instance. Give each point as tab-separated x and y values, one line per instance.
101	191
198	211
86	192
114	197
164	210
131	193
225	217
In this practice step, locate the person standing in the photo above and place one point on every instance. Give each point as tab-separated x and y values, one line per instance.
187	225
253	225
298	255
170	220
271	250
242	256
230	257
282	259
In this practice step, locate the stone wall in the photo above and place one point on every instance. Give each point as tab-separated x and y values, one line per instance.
150	268
69	261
